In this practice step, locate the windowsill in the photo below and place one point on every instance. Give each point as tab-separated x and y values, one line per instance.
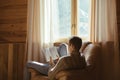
61	40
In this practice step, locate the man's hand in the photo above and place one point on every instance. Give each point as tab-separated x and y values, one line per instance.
56	60
51	62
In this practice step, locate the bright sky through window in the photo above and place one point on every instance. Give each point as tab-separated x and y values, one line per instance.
63	14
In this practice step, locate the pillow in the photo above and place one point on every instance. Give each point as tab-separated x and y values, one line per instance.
62	50
84	44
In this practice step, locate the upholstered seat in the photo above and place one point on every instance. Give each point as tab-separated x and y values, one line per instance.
96	62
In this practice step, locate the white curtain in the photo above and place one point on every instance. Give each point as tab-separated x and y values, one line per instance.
42	19
104	28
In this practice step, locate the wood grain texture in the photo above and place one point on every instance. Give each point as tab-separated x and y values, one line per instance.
12	36
13	20
3	61
13	29
12	2
20	57
12	61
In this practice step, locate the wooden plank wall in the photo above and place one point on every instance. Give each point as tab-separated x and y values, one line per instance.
13	20
13	27
12	61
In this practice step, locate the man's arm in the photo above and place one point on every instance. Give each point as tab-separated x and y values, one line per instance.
58	67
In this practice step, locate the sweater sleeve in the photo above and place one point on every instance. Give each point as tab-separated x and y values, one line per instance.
58	67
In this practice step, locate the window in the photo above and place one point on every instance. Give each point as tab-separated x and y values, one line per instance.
84	19
64	17
73	18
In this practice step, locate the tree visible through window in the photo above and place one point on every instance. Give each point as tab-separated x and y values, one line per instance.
84	17
64	18
64	9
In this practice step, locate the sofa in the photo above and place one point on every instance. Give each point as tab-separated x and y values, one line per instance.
93	53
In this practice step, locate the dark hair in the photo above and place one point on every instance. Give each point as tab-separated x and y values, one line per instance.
76	42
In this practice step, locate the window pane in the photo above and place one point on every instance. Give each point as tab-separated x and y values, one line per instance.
64	12
84	17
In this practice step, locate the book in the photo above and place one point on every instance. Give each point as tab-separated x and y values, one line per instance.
51	51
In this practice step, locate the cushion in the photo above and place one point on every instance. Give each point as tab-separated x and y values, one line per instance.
62	50
91	53
84	44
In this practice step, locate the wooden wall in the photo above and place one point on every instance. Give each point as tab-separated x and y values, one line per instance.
13	19
12	61
13	27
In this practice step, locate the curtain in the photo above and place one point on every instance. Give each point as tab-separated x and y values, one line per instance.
104	28
34	37
103	20
42	19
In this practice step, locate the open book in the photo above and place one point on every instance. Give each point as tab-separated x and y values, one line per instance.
51	51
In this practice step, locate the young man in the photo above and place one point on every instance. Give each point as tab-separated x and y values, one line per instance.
74	61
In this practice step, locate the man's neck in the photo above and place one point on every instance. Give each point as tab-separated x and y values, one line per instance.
75	53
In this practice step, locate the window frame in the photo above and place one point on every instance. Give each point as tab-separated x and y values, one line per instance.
74	20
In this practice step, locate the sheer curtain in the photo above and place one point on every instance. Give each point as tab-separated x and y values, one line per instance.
42	19
104	28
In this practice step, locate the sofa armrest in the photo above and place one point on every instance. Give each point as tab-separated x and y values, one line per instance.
33	71
74	75
36	75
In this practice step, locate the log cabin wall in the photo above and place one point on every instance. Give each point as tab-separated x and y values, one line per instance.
12	61
13	27
13	19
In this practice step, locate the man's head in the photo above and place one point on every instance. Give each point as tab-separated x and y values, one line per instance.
75	44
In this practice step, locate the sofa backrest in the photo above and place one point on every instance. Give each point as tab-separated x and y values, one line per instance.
92	54
108	60
84	45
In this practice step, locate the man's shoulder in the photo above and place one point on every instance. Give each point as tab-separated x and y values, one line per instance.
66	58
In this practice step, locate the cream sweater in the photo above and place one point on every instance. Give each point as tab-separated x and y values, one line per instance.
67	62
